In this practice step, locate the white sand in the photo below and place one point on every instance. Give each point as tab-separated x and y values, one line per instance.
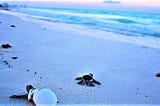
59	52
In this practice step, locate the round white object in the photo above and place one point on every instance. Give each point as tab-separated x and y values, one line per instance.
42	97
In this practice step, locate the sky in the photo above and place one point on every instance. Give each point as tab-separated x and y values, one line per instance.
155	3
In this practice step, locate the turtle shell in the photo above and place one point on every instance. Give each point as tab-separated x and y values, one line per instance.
87	77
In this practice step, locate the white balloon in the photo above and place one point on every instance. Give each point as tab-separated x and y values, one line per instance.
42	97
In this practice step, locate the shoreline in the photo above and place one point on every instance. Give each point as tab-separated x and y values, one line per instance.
54	56
146	41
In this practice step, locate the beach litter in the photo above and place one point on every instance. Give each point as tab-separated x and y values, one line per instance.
87	80
157	74
6	46
13	26
14	57
38	97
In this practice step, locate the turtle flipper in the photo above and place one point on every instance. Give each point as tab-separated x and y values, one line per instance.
19	96
91	84
96	82
80	82
78	78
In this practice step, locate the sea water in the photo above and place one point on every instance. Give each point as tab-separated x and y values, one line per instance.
143	25
127	23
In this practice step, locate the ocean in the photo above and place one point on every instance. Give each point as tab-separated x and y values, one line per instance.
126	23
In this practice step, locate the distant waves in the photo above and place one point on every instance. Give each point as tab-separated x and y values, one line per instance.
131	24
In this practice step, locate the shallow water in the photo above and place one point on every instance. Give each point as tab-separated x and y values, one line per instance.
127	23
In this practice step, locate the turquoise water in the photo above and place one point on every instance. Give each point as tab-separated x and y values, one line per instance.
127	23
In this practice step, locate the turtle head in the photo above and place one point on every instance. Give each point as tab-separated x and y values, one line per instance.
29	87
91	74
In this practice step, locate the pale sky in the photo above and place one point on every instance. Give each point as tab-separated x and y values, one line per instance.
132	2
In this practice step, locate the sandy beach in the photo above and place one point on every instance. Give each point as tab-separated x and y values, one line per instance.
51	55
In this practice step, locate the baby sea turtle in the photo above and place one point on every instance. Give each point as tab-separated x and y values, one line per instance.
157	74
38	97
87	80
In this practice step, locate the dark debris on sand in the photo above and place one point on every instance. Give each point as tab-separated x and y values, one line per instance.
14	57
157	74
6	46
13	26
6	62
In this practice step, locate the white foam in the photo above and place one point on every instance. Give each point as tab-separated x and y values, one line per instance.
108	16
